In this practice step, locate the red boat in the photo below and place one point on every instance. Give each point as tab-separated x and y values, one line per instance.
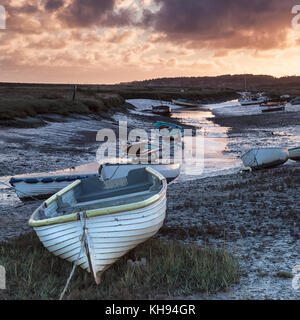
272	106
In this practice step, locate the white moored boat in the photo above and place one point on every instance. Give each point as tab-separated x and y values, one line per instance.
106	219
294	154
265	158
43	185
142	150
251	101
186	103
272	106
295	101
116	171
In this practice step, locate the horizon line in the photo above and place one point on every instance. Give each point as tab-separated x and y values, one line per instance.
152	79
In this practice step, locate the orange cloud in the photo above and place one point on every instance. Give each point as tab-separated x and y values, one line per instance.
123	40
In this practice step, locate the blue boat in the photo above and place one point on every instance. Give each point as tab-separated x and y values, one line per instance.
43	185
159	125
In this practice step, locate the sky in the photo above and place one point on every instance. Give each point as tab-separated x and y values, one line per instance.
113	41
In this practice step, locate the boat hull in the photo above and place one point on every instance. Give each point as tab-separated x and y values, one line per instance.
94	235
161	110
185	104
35	187
265	158
250	102
109	240
116	171
161	113
43	185
272	107
160	125
294	154
295	102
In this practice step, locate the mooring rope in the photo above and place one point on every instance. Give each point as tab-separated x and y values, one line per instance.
83	241
111	177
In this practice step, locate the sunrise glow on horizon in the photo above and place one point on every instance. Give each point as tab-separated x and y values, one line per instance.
113	41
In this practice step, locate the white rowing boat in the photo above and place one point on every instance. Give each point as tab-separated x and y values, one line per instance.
106	219
251	101
265	158
43	185
248	99
295	101
140	151
118	170
186	103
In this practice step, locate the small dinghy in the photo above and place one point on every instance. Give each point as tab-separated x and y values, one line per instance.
295	101
186	103
265	158
118	170
171	127
141	150
251	100
43	185
272	106
95	223
294	154
162	110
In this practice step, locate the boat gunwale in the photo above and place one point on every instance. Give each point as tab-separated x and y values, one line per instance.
98	212
293	149
176	165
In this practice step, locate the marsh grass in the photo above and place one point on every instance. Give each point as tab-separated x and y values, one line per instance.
21	100
172	269
22	107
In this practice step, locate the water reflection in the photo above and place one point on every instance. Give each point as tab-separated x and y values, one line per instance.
216	161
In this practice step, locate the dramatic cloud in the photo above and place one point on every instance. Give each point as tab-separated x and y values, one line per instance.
123	40
230	24
84	13
53	5
225	24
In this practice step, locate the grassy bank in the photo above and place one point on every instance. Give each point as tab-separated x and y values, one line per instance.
22	101
12	108
172	269
31	100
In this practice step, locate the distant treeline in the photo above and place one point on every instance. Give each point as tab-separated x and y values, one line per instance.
229	82
237	82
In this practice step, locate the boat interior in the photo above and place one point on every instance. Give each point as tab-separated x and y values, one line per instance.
92	193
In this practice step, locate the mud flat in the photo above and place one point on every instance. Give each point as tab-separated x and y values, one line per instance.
255	215
243	123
